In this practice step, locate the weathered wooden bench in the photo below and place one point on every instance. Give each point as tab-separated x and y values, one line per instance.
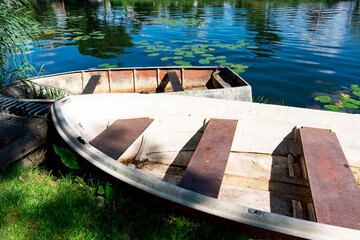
91	84
116	138
334	190
206	169
174	81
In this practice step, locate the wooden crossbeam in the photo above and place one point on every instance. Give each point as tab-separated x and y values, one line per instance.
206	169
91	85
174	81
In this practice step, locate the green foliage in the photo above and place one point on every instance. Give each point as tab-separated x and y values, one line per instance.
18	27
34	204
67	157
38	91
323	99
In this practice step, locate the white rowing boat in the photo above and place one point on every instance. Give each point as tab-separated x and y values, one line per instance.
275	170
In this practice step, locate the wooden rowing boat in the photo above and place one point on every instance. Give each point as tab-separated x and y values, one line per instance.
216	82
272	170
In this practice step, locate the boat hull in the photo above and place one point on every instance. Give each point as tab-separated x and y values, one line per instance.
196	81
264	129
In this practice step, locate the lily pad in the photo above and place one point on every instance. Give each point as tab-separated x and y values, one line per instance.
220	61
204	61
189	56
112	66
220	57
104	65
153	54
323	99
356	92
177	57
165	58
158	42
207	55
350	105
355	87
199	52
238	70
333	108
251	47
179	53
211	58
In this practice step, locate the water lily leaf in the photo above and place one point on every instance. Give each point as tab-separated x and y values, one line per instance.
207	55
323	99
220	57
355	87
141	46
211	58
177	57
153	54
158	42
215	41
179	53
67	157
252	47
104	65
204	41
187	41
356	92
165	58
189	56
220	61
333	108
199	52
211	49
238	70
150	50
174	41
240	41
350	105
112	66
204	61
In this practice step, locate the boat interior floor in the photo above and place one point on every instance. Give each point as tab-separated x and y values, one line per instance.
203	160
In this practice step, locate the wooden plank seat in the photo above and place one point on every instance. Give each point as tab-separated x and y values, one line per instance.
91	85
206	169
334	190
174	81
115	139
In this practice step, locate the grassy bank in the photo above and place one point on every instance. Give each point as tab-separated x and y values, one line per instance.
34	204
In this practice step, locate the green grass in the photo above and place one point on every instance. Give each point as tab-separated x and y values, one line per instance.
34	204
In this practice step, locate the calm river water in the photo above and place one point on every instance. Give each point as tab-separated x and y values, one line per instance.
294	50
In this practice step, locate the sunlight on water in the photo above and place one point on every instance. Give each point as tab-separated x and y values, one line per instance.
295	51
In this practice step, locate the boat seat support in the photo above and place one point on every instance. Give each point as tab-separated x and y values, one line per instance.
206	169
334	189
174	81
116	138
91	85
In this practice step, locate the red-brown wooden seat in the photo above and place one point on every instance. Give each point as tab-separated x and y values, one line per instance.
206	169
115	139
334	190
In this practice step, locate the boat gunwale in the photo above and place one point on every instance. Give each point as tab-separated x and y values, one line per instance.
237	213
